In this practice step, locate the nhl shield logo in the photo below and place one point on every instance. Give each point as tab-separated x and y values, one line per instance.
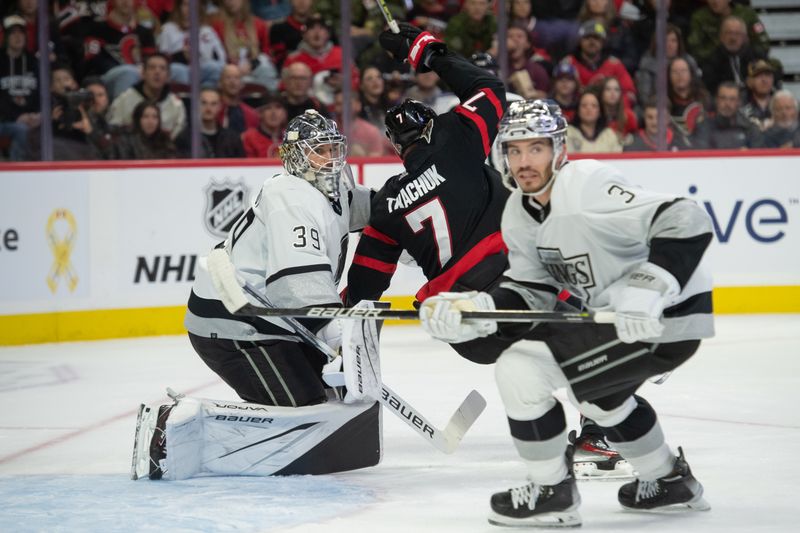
225	203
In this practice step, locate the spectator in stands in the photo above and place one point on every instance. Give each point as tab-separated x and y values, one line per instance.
588	132
687	97
152	87
265	139
556	36
785	131
619	41
70	124
297	90
706	25
363	139
19	88
146	138
728	128
648	67
760	85
472	29
234	114
98	131
729	60
593	62
425	89
526	77
285	36
173	41
374	101
215	140
246	41
318	51
115	47
621	118
566	89
645	139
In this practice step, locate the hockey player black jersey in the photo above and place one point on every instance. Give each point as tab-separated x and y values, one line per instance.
108	44
446	209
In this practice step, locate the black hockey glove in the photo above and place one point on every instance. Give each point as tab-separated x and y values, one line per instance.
413	44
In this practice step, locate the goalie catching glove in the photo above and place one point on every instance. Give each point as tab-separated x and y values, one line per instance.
414	44
641	303
441	316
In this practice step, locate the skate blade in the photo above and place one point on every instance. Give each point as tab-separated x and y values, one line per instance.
140	461
588	471
548	520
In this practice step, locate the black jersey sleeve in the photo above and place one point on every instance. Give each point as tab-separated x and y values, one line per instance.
374	263
482	96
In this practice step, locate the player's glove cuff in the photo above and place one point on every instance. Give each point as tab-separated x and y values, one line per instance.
422	50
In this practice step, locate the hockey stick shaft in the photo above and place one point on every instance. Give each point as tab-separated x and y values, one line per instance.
223	274
388	16
499	315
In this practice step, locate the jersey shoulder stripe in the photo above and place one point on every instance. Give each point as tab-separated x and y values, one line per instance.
298	270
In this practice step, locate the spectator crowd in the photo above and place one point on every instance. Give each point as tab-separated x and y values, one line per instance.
120	73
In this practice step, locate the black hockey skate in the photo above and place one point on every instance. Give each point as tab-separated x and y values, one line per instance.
538	505
596	460
677	491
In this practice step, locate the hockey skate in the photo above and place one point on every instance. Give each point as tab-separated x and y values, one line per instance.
150	442
677	491
596	460
534	505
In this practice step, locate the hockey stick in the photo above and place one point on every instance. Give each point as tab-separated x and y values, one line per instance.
223	274
388	16
237	304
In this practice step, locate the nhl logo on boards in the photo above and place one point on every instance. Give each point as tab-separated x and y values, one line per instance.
225	203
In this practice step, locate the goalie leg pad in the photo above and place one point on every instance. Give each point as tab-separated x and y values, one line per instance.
361	357
207	437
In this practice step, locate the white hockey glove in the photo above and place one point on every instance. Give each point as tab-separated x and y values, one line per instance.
441	316
641	303
331	334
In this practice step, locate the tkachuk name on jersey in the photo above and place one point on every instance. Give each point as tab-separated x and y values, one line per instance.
419	187
575	272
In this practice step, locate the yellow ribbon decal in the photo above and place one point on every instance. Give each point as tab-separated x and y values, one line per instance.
61	244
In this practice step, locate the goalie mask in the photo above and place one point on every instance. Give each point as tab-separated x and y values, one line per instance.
313	149
532	119
407	122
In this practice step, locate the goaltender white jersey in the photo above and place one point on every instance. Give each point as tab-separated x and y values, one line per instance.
596	229
292	245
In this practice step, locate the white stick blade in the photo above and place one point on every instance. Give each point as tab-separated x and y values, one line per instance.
223	276
466	415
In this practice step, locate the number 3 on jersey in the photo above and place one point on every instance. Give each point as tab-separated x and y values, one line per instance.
433	210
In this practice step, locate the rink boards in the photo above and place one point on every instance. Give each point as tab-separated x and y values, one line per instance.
105	250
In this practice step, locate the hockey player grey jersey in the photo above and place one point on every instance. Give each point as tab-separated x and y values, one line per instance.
596	229
292	244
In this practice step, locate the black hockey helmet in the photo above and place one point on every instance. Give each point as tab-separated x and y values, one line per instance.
407	122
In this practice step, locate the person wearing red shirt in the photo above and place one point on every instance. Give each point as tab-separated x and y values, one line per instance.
593	62
318	51
264	139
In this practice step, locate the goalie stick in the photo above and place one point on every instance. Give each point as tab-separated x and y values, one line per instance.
223	274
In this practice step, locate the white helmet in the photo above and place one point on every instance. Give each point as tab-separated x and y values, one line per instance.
305	134
531	119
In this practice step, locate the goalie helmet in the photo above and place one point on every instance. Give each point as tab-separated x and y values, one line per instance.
407	122
532	119
313	149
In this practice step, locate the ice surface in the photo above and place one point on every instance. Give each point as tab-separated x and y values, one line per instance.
69	410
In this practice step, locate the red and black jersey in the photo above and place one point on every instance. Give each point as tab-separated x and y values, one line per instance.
108	44
446	209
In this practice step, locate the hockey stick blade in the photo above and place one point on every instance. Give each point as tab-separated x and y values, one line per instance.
466	415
